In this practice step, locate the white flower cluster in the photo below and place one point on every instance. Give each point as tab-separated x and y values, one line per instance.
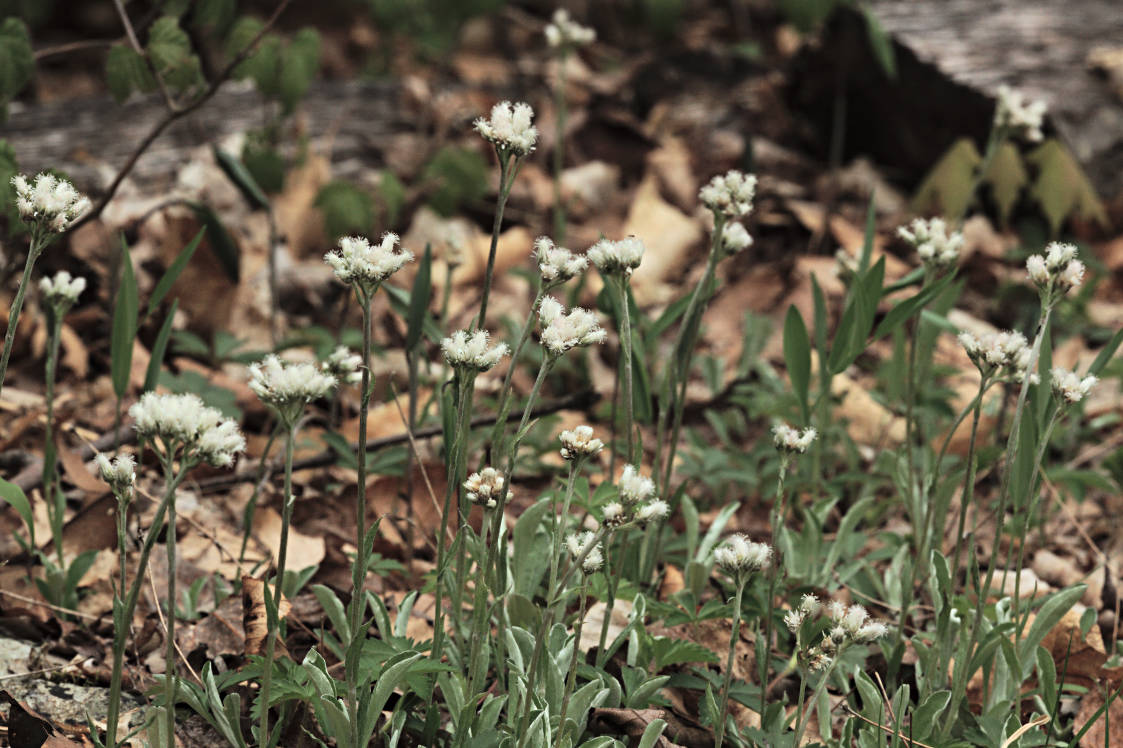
120	473
1068	387
1057	271
359	263
509	128
469	350
739	555
937	247
48	202
562	330
581	547
563	31
184	421
849	625
633	487
287	387
485	488
344	364
614	514
655	510
557	264
730	194
1017	115
791	440
808	607
622	256
1005	354
579	442
735	238
62	291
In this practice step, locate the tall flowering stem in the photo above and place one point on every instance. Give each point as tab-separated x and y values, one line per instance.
121	476
286	389
510	130
739	558
47	205
364	267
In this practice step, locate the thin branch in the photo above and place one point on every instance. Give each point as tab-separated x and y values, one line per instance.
80	46
176	114
135	43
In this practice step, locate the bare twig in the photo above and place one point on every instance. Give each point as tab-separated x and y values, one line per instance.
62	49
176	114
48	606
164	624
884	729
417	456
135	43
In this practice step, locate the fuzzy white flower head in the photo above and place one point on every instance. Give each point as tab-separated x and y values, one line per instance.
344	364
564	32
809	605
470	350
1069	387
937	247
62	291
871	631
562	331
856	617
557	264
614	514
1005	354
836	611
735	238
579	442
739	555
485	488
359	263
791	440
1057	272
581	544
621	256
509	128
730	194
656	510
48	202
793	619
1021	117
287	387
633	487
119	473
184	421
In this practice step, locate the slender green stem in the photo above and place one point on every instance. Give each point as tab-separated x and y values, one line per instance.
967	495
37	245
508	164
56	501
678	369
479	619
362	552
610	603
626	356
460	471
274	611
559	148
571	676
777	519
454	477
123	615
170	681
506	392
727	681
559	523
1029	511
805	712
251	505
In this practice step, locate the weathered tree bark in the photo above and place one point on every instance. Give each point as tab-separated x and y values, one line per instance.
952	56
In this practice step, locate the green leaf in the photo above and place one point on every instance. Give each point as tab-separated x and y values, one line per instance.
1061	189
904	310
455	177
925	716
168	279
857	318
880	44
1050	613
237	173
529	562
221	243
169	49
652	733
9	167
1006	176
347	209
419	299
392	195
300	63
126	71
17	499
17	62
159	349
124	324
670	651
947	188
797	357
214	16
1106	353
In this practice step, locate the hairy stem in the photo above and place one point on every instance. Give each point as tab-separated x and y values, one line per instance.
727	682
37	244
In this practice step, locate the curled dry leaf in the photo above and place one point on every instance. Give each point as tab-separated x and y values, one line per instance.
255	619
